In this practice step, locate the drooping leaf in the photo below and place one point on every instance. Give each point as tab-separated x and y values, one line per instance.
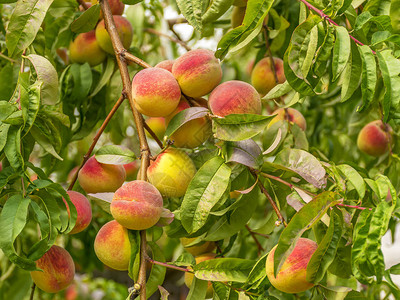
351	74
185	116
215	10
198	289
224	269
192	10
369	77
114	155
354	178
341	51
87	21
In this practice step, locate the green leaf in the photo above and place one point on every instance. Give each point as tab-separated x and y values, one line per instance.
382	22
192	10
105	76
341	52
245	152
198	289
324	52
303	220
335	292
12	149
114	155
224	269
204	192
351	74
157	273
44	141
30	103
354	178
215	10
3	135
394	15
369	77
134	262
87	21
278	91
25	21
185	116
258	272
395	269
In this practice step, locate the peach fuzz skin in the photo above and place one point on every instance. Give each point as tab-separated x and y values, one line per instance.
292	276
112	246
83	209
137	205
198	72
293	116
156	92
375	138
58	270
165	64
157	124
85	48
116	6
95	177
262	76
171	172
189	276
234	97
125	33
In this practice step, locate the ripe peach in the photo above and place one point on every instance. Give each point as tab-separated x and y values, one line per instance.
193	133
156	92
125	33
237	17
83	209
293	116
131	170
71	173
71	293
197	249
165	64
234	97
137	205
198	72
375	138
262	77
112	246
157	125
117	7
189	276
95	177
85	48
171	172
292	276
58	270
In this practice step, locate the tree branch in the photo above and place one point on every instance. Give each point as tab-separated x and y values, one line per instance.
292	186
153	135
167	265
353	206
171	38
32	291
259	246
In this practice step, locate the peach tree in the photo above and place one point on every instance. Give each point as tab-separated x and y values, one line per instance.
246	149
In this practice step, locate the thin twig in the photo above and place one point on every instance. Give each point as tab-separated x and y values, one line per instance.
167	265
175	40
259	246
32	291
271	59
83	3
7	58
292	186
353	206
130	57
153	135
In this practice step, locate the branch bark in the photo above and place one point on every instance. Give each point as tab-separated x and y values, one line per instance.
171	38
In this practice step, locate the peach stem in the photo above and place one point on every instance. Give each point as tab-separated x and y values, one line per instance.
353	206
259	246
83	3
167	265
175	40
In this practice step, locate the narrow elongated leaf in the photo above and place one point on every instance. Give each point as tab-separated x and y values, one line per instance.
394	15
44	141
157	273
324	52
258	272
192	10
185	116
278	91
351	74
245	152
341	52
215	10
224	269
30	103
354	178
114	155
87	21
308	50
12	148
134	262
105	76
198	289
369	77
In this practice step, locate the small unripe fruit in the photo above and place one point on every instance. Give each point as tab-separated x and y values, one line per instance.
375	138
112	246
189	276
293	116
156	92
95	177
198	72
83	209
262	76
171	172
292	276
85	48
197	249
58	270
166	65
125	33
234	97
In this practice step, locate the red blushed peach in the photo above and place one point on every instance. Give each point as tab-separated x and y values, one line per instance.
262	77
292	276
83	209
116	6
95	177
189	276
198	72
58	270
166	65
85	48
375	138
156	92
131	170
193	133
157	125
125	33
71	173
137	205
112	246
293	116
234	97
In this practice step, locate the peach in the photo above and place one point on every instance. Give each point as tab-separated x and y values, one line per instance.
58	270
112	246
165	64
63	54
262	76
292	276
156	92
116	6
234	97
131	170
71	293
293	116
197	249
157	125
95	177
71	173
171	172
137	205
237	17
83	209
86	49
189	276
375	138
125	33
193	133
198	72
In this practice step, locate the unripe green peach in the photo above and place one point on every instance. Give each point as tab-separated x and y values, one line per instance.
171	172
116	6
83	209
234	97
125	33
191	134
137	205
131	170
95	177
293	116
85	48
112	246
58	270
198	72
156	92
197	249
237	17
375	138
157	125
292	276
262	76
165	64
189	276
